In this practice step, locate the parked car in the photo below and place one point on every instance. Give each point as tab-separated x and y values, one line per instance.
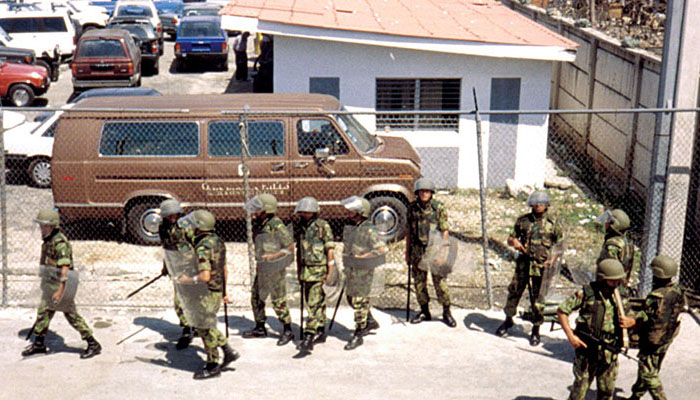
28	149
201	39
12	54
122	164
107	5
147	39
20	84
106	58
141	9
53	29
171	20
170	17
46	56
87	16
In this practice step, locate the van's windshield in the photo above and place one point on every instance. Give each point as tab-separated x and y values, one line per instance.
363	140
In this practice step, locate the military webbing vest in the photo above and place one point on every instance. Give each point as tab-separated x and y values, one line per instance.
50	253
539	236
592	314
665	326
217	261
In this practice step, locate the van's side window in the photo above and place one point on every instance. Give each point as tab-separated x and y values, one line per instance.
149	139
266	138
315	134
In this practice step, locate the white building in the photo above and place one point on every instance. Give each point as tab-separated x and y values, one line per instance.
389	55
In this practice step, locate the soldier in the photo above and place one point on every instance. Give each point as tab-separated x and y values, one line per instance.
366	245
426	213
658	326
176	232
56	260
315	265
533	236
263	207
617	245
211	262
599	319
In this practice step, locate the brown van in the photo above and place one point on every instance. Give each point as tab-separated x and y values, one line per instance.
120	165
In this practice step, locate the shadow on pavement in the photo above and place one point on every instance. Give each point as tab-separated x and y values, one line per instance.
55	342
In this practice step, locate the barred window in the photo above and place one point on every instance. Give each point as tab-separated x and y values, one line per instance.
149	139
418	94
265	138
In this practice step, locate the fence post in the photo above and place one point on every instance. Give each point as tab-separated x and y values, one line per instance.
482	199
243	130
3	211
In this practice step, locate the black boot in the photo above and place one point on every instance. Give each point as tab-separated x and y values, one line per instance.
423	315
356	340
307	344
209	371
185	338
258	332
287	335
535	336
93	348
320	336
230	355
38	347
503	329
372	324
447	317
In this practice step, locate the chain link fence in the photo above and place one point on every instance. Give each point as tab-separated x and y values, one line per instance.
114	167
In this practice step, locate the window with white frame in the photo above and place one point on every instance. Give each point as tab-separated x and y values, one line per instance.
417	95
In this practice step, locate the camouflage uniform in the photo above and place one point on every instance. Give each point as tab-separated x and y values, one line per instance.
537	235
659	325
313	239
211	256
420	221
175	237
366	240
619	247
276	285
56	253
598	316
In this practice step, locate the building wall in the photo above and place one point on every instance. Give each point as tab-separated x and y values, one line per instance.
358	66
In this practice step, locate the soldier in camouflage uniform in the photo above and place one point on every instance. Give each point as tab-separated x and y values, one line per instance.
315	265
533	236
598	317
370	245
211	258
263	207
658	326
618	246
176	233
57	260
426	213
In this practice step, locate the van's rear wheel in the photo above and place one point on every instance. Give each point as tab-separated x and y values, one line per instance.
389	215
142	222
39	172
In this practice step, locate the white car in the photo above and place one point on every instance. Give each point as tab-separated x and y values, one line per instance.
140	9
87	16
49	29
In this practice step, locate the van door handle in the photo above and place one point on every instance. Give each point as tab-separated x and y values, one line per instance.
301	165
277	167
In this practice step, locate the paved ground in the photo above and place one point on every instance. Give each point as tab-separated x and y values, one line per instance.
422	361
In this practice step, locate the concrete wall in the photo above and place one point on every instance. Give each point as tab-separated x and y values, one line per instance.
358	66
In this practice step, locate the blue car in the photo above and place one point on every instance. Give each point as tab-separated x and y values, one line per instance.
200	38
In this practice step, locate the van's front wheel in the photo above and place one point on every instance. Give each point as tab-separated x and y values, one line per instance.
389	215
142	222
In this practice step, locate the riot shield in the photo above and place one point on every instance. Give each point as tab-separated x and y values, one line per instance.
50	281
266	244
551	272
440	254
194	297
362	266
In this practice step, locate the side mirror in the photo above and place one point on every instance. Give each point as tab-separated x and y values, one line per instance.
322	154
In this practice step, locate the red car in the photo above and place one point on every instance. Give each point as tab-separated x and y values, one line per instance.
21	83
106	58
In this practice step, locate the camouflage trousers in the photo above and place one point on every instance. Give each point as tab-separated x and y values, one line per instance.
213	339
361	307
179	312
420	280
517	286
278	294
315	299
44	316
648	374
591	364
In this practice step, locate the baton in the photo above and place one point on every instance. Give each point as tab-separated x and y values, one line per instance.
130	335
408	294
337	304
621	313
301	310
29	334
145	285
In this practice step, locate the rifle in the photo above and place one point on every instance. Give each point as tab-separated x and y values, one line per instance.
31	331
162	274
337	304
603	344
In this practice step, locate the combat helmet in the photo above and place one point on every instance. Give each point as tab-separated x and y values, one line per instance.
620	222
357	205
204	220
664	267
610	269
538	197
47	216
307	204
170	207
262	202
423	184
